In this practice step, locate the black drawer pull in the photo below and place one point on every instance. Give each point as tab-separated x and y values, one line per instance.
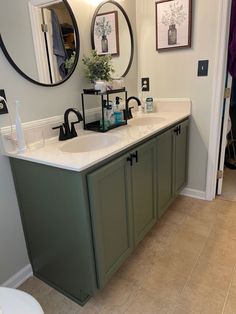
177	130
135	156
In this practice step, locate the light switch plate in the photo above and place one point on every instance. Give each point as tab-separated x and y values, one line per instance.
203	68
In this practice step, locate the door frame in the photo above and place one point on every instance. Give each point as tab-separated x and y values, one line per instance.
218	96
224	132
39	43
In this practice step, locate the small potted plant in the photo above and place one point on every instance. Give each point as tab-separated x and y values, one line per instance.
98	68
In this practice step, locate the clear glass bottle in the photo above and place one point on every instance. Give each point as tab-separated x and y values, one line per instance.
149	104
104	43
172	35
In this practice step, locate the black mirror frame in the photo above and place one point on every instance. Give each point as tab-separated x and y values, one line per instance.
129	26
77	50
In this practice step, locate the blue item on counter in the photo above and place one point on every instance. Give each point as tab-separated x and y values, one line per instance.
118	117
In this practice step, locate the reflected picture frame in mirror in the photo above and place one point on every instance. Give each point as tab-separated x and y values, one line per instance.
115	34
69	63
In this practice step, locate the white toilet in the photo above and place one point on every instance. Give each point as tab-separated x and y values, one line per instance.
14	301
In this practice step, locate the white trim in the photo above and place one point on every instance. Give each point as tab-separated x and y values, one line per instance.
44	3
224	137
39	44
194	193
91	113
21	276
33	124
217	96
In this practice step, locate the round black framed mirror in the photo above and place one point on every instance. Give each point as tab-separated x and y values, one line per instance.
40	39
111	33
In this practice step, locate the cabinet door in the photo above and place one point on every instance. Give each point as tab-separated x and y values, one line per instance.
181	157
143	190
109	205
165	191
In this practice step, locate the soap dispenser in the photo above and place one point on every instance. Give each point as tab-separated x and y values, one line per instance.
117	112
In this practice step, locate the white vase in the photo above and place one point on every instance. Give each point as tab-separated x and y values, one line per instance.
101	86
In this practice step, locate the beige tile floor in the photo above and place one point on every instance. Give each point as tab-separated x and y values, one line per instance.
185	265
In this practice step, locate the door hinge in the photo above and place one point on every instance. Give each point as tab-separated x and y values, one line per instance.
219	174
44	28
227	93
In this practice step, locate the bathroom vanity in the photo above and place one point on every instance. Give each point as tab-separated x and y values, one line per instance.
83	213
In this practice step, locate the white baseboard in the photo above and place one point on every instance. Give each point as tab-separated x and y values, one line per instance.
21	276
194	193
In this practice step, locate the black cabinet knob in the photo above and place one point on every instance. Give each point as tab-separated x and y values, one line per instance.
130	160
177	130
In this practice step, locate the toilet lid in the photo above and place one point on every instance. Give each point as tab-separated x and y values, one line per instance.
14	301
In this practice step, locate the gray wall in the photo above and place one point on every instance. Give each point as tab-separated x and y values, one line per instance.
37	103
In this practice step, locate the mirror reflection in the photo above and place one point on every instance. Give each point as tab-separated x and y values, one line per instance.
40	39
111	33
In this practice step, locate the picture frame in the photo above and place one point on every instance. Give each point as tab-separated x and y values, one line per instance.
173	24
106	33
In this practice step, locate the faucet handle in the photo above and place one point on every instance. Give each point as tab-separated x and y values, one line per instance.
128	113
73	131
62	136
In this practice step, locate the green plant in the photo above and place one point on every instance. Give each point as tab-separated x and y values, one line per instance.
97	67
70	62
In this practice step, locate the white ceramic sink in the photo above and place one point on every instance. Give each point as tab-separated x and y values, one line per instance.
89	143
144	121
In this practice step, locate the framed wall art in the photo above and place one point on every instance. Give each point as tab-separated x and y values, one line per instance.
106	33
173	24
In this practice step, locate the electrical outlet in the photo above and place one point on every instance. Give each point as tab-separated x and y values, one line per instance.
145	84
3	107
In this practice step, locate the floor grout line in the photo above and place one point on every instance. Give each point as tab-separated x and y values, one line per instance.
195	265
228	291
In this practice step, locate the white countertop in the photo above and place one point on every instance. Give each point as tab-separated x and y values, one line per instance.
128	135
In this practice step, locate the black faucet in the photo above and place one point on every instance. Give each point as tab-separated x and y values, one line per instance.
128	115
68	131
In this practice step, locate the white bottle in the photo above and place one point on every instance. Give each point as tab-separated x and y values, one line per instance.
19	131
149	104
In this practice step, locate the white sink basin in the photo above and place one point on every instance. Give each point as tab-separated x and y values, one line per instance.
144	121
89	143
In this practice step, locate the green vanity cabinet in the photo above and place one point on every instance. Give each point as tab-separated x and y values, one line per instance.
172	154
122	205
81	226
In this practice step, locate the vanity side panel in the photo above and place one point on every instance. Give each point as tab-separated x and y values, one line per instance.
56	221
